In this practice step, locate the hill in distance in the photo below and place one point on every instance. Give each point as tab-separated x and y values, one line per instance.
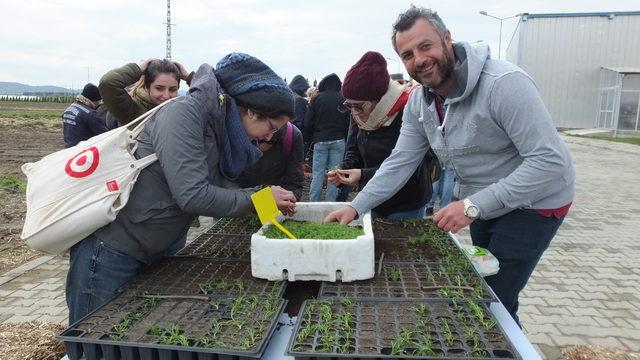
13	88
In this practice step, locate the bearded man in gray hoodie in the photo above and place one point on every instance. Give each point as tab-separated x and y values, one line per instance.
485	119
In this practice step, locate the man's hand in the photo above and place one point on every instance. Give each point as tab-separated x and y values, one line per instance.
451	217
344	216
285	200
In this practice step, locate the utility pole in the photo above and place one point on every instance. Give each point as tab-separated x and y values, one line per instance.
88	74
168	56
501	19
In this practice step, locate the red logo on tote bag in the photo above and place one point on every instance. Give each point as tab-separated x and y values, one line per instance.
84	163
112	186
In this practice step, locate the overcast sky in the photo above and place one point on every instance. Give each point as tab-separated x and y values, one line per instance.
65	42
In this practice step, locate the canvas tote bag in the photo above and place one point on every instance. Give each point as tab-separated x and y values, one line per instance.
73	192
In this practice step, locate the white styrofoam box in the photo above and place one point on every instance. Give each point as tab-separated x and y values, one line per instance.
314	259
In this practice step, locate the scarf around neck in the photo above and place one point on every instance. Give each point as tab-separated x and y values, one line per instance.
387	108
236	151
141	96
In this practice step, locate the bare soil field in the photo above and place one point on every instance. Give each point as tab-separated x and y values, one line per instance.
28	131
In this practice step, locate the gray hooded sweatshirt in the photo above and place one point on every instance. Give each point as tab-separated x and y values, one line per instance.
185	181
497	136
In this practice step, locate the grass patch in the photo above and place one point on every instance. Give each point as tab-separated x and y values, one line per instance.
315	230
30	114
619	139
13	182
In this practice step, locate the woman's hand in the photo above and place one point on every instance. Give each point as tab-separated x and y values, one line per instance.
349	177
285	200
144	63
184	73
332	177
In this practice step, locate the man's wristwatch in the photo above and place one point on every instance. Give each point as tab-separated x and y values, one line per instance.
470	209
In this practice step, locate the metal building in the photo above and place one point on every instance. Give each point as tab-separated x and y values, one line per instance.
586	66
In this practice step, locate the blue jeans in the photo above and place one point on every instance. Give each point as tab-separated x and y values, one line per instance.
517	239
443	188
326	155
343	193
96	272
176	247
402	215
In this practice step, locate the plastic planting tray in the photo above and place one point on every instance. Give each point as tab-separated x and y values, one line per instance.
219	247
132	327
401	250
386	229
393	330
402	281
195	276
235	226
413	241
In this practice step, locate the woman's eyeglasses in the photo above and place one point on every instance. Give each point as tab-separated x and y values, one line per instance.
349	106
272	127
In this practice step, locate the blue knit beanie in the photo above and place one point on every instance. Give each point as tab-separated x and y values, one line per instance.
254	85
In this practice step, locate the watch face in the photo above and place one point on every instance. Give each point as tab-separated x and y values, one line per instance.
472	211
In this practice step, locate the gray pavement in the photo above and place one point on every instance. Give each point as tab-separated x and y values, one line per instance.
586	289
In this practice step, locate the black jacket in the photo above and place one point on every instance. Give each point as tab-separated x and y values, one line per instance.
299	86
367	150
276	167
80	122
323	121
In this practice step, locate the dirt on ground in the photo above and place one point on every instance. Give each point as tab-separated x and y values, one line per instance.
593	352
32	341
21	141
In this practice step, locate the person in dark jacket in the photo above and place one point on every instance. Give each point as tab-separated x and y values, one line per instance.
80	120
299	86
281	162
327	128
135	88
376	104
203	142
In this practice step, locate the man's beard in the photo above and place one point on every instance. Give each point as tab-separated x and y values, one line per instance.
444	71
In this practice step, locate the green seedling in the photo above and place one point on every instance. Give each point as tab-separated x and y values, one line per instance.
421	310
424	347
446	331
315	230
393	274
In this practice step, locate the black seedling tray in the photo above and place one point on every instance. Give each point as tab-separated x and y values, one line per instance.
204	329
413	241
402	281
219	247
400	250
397	330
235	226
402	229
196	276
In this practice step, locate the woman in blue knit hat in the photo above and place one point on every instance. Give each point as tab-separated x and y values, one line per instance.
203	142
